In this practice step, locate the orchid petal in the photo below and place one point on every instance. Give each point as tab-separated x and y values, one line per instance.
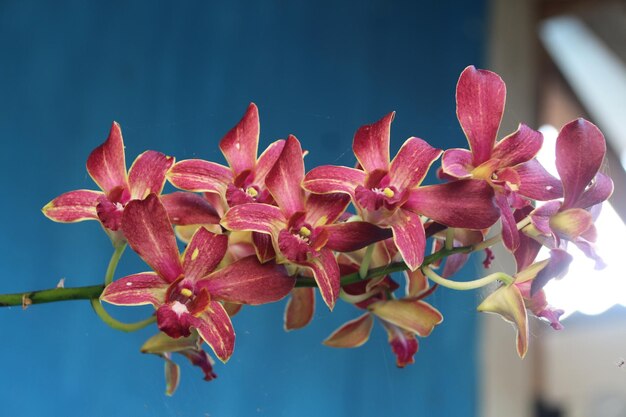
510	234
480	97
200	175
240	144
147	228
203	254
541	216
457	163
528	248
557	266
351	334
247	281
256	217
411	164
507	301
537	183
172	375
520	146
416	283
403	344
465	204
333	179
600	190
73	206
351	236
186	208
106	164
410	315
326	273
285	178
263	246
454	263
409	237
137	289
215	327
147	174
300	308
580	149
571	223
267	160
322	209
371	144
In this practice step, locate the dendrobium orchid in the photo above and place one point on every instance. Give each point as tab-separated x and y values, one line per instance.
107	167
263	228
186	289
508	165
389	195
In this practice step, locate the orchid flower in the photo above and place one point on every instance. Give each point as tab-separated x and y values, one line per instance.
512	301
302	225
107	167
508	165
190	347
580	151
403	319
389	195
186	289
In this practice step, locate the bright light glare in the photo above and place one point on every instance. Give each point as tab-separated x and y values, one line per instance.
585	289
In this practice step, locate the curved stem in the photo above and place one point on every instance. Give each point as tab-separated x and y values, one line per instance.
116	324
115	259
467	285
450	238
367	259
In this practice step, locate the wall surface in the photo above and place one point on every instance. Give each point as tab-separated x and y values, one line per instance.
177	76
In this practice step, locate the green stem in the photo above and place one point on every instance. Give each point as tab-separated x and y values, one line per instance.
115	259
116	324
367	259
467	285
450	238
51	295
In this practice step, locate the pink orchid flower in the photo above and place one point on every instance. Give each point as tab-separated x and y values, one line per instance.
389	194
302	226
508	165
403	319
107	167
580	151
186	289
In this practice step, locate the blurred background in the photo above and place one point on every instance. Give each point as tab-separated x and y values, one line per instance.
177	76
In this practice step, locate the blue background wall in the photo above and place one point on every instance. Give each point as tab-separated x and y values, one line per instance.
177	76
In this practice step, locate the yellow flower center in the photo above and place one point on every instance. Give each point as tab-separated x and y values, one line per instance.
186	292
252	192
304	231
388	192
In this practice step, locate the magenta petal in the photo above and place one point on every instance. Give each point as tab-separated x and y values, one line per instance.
263	246
351	236
403	344
215	327
327	275
466	204
187	208
480	97
528	248
267	160
256	217
333	179
203	254
200	175
247	281
300	308
147	174
323	209
137	289
73	206
240	144
580	149
454	263
457	163
284	180
148	230
520	146
412	163
510	234
537	183
600	190
409	237
371	144
556	267
106	164
540	217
